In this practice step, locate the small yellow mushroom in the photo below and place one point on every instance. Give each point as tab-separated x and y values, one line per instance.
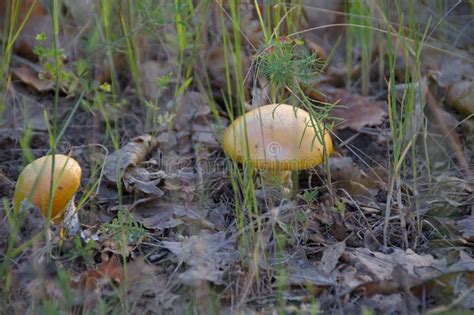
277	138
34	185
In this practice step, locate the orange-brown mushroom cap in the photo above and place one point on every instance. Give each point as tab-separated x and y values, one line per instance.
34	184
279	137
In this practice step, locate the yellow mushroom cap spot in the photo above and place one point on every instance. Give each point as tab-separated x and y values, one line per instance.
34	183
280	137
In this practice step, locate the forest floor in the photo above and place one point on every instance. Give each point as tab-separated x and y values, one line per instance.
140	93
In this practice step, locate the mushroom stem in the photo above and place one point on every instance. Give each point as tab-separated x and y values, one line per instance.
70	224
295	185
277	178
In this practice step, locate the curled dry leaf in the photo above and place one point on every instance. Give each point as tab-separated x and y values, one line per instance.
158	215
352	110
142	180
31	79
123	163
208	255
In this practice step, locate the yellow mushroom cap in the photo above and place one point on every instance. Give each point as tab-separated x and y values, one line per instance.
280	137
34	183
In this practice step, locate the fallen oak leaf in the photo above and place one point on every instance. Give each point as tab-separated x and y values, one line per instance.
352	110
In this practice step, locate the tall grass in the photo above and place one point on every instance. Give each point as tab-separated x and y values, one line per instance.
360	14
397	44
405	115
13	25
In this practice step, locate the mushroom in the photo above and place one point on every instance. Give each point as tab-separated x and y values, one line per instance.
276	139
34	185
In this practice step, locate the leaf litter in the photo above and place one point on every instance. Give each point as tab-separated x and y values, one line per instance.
208	255
352	110
185	217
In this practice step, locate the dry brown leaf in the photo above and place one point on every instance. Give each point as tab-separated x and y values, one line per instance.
380	266
444	286
158	215
128	157
346	174
188	107
399	280
110	271
461	96
447	71
331	256
302	272
208	255
142	180
353	110
403	271
31	79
